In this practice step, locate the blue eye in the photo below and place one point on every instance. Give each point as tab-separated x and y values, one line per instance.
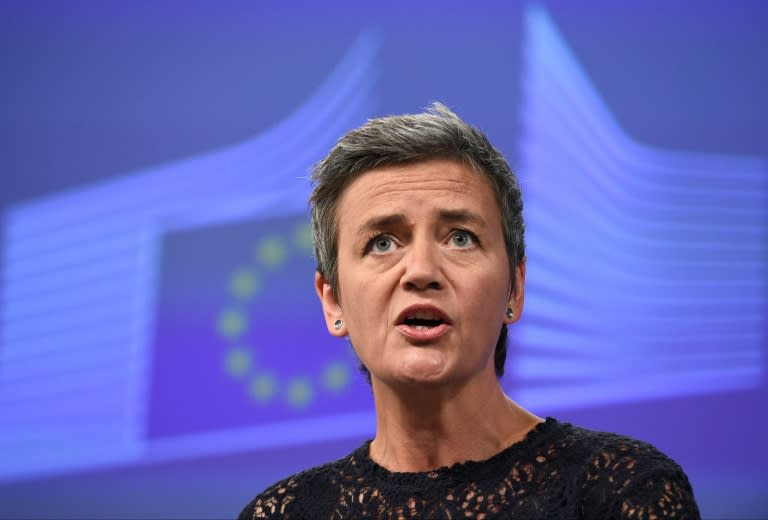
463	239
381	244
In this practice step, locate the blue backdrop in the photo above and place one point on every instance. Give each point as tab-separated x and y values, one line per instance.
162	351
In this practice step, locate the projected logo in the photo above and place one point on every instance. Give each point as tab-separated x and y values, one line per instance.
240	337
131	344
249	290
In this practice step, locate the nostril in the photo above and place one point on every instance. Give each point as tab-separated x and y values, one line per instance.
416	286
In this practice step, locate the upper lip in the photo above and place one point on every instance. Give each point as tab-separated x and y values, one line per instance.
426	310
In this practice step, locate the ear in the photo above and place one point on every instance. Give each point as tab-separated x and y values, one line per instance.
331	308
517	296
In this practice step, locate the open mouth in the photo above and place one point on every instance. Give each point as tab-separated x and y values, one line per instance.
423	323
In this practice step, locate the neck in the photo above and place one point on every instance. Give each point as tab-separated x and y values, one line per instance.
421	429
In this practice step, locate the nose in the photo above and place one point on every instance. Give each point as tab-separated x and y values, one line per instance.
422	267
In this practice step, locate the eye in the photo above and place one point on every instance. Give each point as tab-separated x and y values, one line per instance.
462	239
381	244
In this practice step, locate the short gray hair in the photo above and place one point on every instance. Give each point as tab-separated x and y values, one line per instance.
437	133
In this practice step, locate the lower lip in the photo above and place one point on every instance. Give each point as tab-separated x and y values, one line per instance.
423	334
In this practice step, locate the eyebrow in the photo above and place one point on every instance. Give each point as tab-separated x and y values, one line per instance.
380	222
461	215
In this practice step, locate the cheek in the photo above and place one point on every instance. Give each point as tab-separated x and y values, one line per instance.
367	314
365	304
486	300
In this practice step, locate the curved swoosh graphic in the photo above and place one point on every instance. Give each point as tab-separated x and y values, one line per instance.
80	267
646	267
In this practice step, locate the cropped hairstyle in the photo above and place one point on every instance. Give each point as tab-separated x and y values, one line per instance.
437	133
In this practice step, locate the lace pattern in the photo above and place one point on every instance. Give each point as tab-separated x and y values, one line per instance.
558	471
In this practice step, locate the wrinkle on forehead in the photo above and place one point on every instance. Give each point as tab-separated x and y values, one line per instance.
382	185
394	183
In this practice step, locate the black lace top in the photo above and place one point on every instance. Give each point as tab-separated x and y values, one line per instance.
559	471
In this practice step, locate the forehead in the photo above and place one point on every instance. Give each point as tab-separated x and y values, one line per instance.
416	189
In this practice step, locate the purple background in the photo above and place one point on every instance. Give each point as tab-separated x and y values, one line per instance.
95	92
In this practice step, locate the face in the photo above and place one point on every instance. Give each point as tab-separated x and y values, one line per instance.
424	281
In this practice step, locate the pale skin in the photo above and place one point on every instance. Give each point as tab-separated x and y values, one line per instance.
429	235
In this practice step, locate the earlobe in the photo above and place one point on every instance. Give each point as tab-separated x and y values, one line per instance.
334	321
517	297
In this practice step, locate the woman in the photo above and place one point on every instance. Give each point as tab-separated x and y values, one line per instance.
418	232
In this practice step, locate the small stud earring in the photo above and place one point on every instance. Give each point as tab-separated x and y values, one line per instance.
337	324
510	313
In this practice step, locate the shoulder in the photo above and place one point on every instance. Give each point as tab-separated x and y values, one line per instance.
627	478
309	494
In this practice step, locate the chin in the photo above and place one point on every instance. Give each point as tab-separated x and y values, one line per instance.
424	375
